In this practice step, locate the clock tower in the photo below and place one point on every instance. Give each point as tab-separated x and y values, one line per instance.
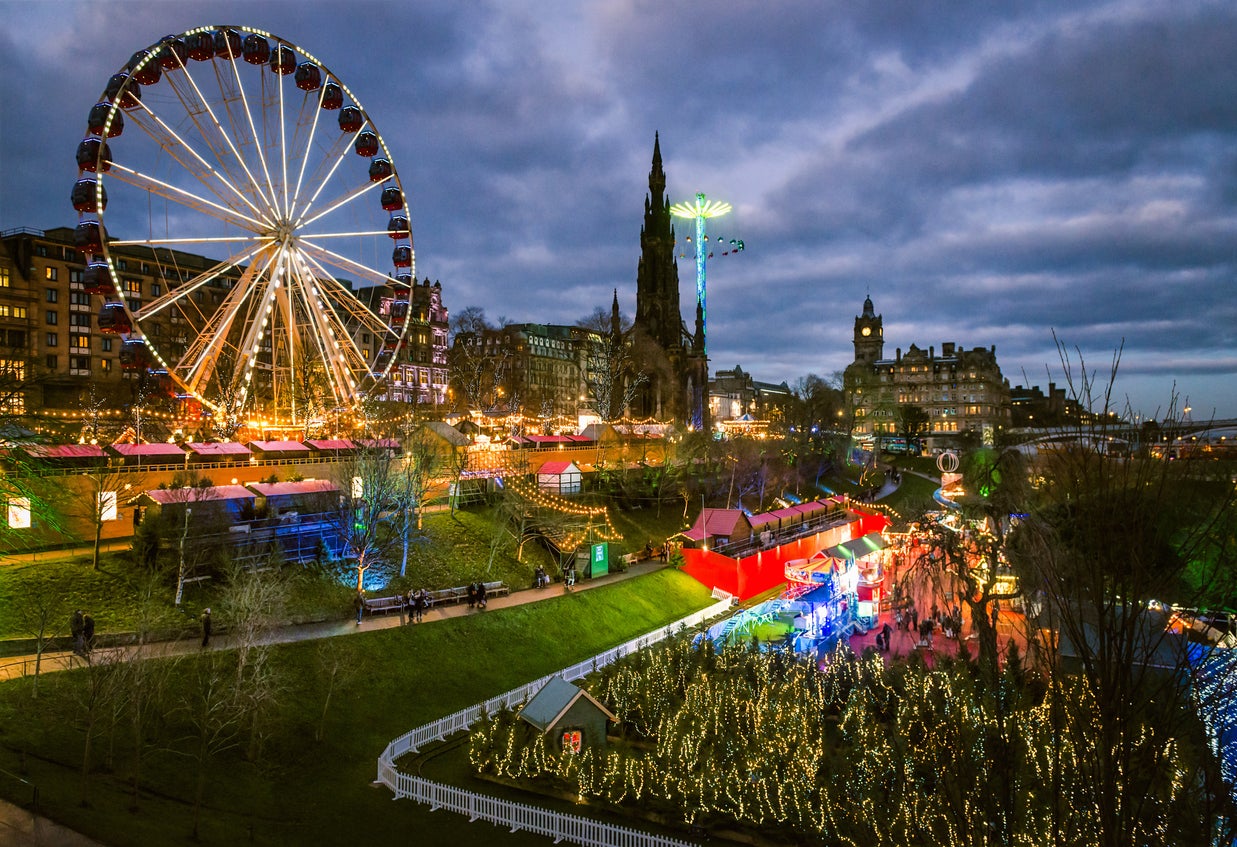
869	335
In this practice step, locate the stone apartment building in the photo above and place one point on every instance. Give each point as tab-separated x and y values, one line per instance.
64	337
941	395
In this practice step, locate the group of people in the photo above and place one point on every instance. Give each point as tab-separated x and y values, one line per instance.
948	621
416	602
476	595
81	627
540	578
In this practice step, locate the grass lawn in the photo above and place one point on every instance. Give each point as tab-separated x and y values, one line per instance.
319	792
913	497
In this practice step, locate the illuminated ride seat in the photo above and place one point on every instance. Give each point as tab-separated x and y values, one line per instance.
98	280
114	320
135	355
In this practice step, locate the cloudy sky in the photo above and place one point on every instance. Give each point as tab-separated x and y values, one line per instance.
990	173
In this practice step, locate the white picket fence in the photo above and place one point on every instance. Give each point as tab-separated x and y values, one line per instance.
519	816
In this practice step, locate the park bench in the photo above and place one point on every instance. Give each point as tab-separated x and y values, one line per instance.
376	605
443	596
448	595
496	589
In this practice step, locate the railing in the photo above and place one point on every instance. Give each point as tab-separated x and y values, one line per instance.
519	816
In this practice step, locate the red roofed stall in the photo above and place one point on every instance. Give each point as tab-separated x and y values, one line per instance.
754	566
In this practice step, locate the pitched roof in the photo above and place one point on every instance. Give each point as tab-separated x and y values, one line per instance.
327	444
189	496
552	702
157	449
292	489
715	522
64	451
278	446
448	433
222	448
859	547
557	468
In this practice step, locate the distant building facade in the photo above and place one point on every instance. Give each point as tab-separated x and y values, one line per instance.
59	344
934	395
734	393
1031	407
419	372
538	368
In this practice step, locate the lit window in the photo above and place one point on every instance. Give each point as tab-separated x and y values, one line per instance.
106	504
19	513
51	273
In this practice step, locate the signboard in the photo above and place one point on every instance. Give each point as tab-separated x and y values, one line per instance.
599	560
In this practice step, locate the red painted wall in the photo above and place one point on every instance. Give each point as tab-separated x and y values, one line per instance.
756	574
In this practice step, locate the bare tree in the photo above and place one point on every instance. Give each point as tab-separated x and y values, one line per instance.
42	613
337	671
214	716
612	375
1111	538
415	476
369	484
97	499
94	690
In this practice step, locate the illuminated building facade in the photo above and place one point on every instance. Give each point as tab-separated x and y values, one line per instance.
538	367
920	392
734	393
419	374
55	350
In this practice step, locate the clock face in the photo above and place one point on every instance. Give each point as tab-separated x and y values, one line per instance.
867	330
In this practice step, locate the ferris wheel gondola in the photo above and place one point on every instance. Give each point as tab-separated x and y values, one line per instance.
232	143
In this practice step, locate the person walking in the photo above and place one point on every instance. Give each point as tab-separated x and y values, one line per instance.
569	578
410	602
206	628
886	630
358	603
87	633
419	601
77	625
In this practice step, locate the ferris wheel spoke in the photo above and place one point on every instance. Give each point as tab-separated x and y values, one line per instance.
200	358
333	292
324	309
198	109
183	291
343	263
186	198
339	202
219	182
255	138
309	145
339	152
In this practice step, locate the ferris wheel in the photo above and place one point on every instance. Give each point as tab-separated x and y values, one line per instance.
232	143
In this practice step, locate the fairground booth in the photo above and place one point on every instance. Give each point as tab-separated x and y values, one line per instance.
747	556
833	593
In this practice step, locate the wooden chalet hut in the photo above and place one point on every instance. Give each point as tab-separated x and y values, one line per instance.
559	478
717	527
223	452
287	500
571	716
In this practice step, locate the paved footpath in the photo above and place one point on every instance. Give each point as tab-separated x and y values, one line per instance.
20	827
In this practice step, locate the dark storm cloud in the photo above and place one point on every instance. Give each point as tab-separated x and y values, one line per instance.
989	172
